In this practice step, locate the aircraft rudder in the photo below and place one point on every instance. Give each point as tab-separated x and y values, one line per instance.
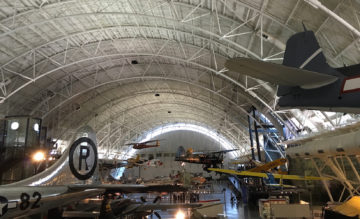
303	51
180	152
83	157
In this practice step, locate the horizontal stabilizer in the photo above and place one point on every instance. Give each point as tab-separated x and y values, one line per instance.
279	74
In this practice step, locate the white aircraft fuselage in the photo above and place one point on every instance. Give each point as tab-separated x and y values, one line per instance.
341	141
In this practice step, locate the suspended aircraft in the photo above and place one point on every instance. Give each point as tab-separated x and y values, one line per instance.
73	177
264	171
145	144
305	79
130	163
261	167
268	167
208	159
137	162
267	175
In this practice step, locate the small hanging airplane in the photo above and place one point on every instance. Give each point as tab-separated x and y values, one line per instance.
264	171
137	162
145	144
267	175
305	79
130	163
263	167
208	159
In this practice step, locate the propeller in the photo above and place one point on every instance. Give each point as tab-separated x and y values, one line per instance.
157	199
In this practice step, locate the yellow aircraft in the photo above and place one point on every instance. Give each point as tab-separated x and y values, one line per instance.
268	166
268	175
128	163
265	167
263	171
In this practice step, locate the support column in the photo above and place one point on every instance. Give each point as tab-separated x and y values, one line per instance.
251	139
353	168
256	135
340	175
323	181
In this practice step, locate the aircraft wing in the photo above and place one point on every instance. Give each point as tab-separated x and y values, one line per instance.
198	152
223	151
269	165
279	74
18	201
131	188
145	142
266	175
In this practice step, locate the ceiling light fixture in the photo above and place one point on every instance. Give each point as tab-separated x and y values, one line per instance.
36	127
38	156
14	125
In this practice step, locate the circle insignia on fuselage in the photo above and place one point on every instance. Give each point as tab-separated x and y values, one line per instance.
3	206
83	158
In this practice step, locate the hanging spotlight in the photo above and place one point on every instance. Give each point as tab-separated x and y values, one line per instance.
36	127
38	156
14	125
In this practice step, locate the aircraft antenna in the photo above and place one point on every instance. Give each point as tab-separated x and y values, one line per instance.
304	26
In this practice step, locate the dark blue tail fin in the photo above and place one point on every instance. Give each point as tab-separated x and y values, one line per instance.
180	152
303	51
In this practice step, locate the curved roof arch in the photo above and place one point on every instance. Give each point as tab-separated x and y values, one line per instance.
141	100
58	58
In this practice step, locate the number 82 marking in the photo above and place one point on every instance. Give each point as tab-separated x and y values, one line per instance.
25	200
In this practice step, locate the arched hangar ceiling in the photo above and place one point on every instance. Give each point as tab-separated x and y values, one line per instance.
101	62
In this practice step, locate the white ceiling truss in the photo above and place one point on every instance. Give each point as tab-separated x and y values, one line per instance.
100	62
